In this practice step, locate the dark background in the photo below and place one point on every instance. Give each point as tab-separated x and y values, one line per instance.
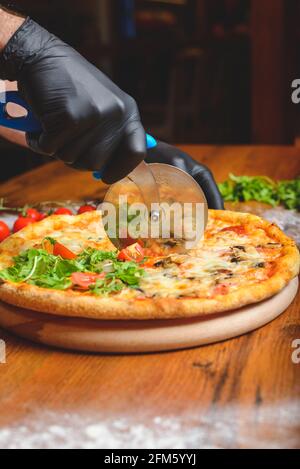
202	71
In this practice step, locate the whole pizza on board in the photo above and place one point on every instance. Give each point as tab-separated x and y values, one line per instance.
66	265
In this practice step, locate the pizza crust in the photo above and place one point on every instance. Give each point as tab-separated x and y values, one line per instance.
76	304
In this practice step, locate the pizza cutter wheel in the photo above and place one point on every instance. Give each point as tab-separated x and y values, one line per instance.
157	186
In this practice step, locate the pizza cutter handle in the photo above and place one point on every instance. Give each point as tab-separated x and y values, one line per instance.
150	142
28	123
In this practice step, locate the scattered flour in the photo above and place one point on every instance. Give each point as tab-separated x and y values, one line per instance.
287	220
274	426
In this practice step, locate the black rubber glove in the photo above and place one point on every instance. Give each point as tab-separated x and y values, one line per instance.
164	153
87	121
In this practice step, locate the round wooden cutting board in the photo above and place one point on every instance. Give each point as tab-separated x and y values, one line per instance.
142	336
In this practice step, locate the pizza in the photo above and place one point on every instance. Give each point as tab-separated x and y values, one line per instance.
66	265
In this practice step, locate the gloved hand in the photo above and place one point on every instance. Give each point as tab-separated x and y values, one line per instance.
87	121
164	153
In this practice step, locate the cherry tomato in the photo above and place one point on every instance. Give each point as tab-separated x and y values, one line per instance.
34	214
63	251
84	280
62	211
86	208
4	231
239	229
21	222
135	253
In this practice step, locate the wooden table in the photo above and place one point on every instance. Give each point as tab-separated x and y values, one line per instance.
240	393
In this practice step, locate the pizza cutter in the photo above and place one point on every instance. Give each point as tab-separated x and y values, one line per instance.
156	185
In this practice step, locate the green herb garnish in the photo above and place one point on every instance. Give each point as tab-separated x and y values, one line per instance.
289	193
38	267
107	286
261	189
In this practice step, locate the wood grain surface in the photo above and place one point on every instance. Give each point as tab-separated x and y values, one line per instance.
240	393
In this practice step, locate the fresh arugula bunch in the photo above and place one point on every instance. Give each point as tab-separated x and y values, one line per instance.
38	267
123	273
289	193
91	260
262	189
